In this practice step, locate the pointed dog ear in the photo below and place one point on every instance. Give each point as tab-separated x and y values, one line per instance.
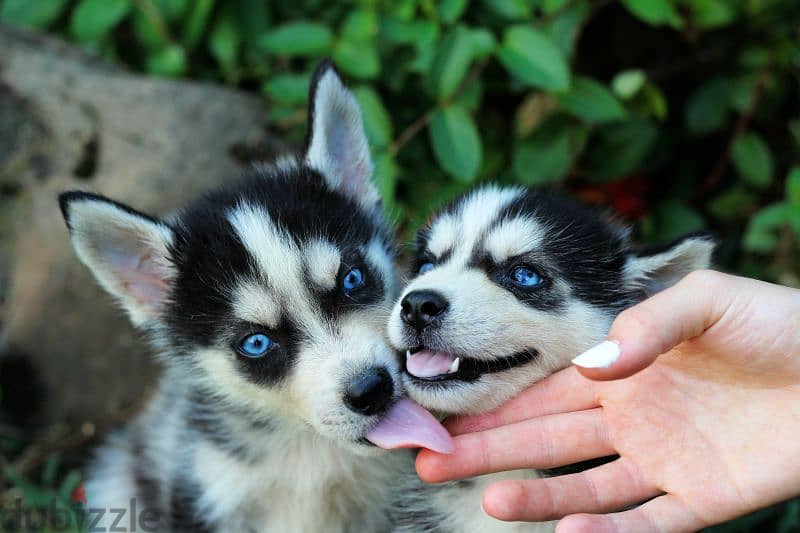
336	143
654	270
128	252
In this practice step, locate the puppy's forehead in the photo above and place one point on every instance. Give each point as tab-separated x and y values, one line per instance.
276	254
513	236
266	249
463	226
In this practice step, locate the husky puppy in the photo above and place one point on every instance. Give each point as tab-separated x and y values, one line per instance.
266	301
509	285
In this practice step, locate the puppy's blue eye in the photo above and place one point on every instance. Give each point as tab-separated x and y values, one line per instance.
425	267
525	277
255	345
353	280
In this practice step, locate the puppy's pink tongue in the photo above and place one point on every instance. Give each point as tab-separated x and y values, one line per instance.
427	364
408	425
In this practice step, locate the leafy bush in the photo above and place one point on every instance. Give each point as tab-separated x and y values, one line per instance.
677	114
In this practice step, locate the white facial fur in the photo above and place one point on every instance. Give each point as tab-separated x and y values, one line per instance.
485	321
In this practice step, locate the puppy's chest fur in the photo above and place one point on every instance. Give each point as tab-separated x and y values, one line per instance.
202	468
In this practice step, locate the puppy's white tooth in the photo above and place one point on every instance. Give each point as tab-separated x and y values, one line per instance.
454	366
408	354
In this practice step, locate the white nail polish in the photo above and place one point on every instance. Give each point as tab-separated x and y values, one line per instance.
601	356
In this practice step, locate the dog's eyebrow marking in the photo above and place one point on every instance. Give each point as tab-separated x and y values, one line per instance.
462	230
513	237
253	303
376	254
442	235
280	262
322	263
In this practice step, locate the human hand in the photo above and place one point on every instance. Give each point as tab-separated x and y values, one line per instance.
708	431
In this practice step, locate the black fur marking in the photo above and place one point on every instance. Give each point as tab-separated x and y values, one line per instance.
543	297
276	363
210	259
224	426
65	199
589	254
335	301
183	515
148	488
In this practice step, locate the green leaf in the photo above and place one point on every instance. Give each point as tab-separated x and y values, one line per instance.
288	89
483	42
740	92
196	22
711	14
386	172
592	102
148	32
510	9
224	43
760	235
732	204
532	57
297	39
169	61
654	101
543	158
360	24
456	143
753	160
451	10
357	58
31	13
92	19
551	6
377	121
707	108
620	149
628	83
171	10
654	12
252	19
565	27
674	219
451	62
793	186
401	32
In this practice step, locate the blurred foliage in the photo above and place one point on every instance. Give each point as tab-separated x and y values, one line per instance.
678	115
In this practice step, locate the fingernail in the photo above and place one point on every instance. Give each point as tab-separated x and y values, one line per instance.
601	356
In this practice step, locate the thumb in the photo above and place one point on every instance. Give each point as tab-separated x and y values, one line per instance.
653	327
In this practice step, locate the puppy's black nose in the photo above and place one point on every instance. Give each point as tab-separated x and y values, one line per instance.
419	308
370	392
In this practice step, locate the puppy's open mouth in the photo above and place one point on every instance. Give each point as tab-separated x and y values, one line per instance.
435	365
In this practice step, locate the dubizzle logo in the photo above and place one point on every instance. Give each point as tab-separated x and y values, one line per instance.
78	495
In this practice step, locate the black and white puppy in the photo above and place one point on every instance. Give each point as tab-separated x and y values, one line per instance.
267	302
509	285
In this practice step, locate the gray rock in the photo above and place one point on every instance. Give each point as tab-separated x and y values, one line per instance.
67	121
